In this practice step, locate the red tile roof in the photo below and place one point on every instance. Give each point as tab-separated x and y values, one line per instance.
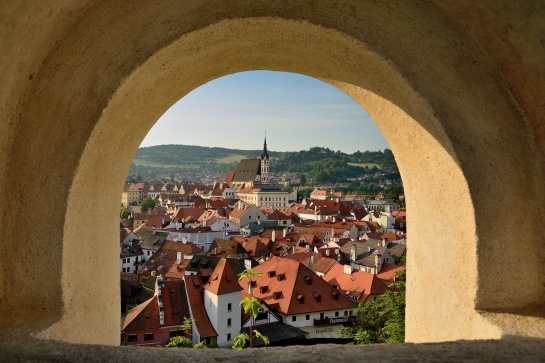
295	288
143	316
388	271
146	315
201	321
223	280
358	284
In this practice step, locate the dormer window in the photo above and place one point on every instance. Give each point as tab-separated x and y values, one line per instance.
277	295
300	298
308	280
318	297
263	289
281	277
271	273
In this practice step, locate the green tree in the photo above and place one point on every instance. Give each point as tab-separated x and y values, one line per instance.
381	320
251	304
124	214
147	203
303	179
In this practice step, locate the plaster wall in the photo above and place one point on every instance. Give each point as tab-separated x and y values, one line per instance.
456	88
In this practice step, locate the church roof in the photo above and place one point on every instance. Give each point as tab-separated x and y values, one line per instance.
247	170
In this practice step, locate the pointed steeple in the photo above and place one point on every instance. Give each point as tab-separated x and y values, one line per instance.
265	154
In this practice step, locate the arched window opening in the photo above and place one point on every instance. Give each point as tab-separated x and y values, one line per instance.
339	234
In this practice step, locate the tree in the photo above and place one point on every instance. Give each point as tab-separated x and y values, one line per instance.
124	214
381	320
303	179
251	304
178	342
147	203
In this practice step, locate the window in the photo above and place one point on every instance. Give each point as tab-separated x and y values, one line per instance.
336	313
148	336
133	338
346	313
229	307
293	318
307	317
229	323
173	333
229	336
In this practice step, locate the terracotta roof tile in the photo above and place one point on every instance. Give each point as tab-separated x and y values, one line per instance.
223	280
358	284
293	287
195	296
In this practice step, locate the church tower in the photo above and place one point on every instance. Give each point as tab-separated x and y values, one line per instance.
265	164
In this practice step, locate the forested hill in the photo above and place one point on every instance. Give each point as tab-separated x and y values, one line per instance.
322	164
187	154
306	160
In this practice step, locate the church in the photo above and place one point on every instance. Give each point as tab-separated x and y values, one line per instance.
251	180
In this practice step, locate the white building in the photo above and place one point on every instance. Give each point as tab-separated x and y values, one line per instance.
222	296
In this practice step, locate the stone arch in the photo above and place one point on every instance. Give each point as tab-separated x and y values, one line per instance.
116	68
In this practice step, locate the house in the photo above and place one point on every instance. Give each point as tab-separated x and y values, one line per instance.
315	261
256	247
158	319
170	253
200	236
151	239
130	257
358	285
246	213
202	330
227	249
265	196
132	194
301	298
222	296
370	255
320	194
388	272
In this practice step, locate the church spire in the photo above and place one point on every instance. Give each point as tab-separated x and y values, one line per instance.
265	154
265	163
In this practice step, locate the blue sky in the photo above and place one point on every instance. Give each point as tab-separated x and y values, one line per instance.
296	111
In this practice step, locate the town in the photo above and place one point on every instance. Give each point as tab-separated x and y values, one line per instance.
191	253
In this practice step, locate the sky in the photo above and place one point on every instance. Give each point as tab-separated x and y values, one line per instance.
296	112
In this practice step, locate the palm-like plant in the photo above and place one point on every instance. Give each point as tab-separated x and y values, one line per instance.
249	304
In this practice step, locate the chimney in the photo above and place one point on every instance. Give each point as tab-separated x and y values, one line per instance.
332	232
273	235
376	260
204	222
247	264
384	242
178	257
369	249
327	252
311	262
293	249
284	232
353	253
308	248
347	269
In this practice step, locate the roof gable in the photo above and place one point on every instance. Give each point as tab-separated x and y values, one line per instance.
223	279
